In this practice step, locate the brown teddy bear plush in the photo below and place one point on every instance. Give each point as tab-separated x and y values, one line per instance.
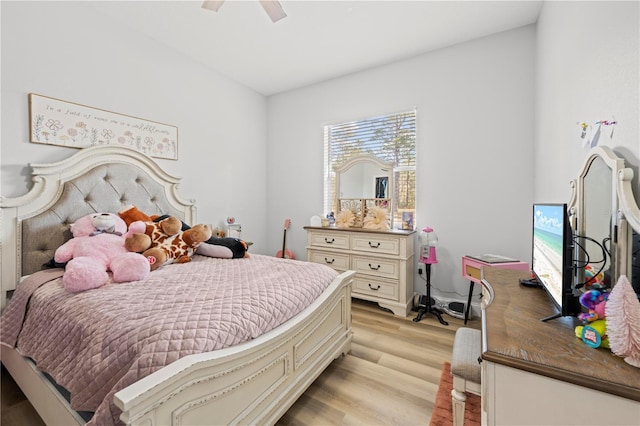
154	234
216	246
177	248
163	242
162	247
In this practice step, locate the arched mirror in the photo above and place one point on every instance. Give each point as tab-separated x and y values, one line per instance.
597	208
364	182
606	217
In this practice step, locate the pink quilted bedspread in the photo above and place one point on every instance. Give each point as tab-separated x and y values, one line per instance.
97	342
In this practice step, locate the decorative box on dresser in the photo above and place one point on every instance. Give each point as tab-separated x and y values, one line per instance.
383	261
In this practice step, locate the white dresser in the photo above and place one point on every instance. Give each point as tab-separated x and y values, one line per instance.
540	373
383	261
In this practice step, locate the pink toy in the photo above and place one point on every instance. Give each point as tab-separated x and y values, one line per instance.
592	278
595	301
97	246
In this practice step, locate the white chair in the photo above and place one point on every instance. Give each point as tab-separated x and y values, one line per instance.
465	369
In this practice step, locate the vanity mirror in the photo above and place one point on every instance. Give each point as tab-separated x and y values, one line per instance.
605	216
362	183
595	205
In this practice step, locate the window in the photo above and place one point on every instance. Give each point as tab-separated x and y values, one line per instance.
391	138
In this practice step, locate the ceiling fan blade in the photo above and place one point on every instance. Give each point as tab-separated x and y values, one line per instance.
212	4
273	9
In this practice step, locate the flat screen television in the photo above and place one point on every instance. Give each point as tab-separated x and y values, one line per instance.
552	259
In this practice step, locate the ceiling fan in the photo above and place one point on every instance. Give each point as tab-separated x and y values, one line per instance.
272	7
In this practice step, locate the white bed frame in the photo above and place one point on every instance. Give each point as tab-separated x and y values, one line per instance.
252	383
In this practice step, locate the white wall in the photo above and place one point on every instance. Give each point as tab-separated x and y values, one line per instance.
68	51
475	104
496	119
587	69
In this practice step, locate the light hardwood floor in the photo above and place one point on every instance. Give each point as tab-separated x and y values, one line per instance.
390	377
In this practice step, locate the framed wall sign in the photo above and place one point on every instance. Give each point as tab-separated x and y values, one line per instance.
56	122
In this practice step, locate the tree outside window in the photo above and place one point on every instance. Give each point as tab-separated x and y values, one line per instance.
391	138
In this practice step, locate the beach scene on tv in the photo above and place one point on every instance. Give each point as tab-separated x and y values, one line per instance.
547	248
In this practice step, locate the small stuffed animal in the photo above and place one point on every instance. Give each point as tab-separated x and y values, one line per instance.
594	331
131	214
224	248
176	248
153	233
595	302
217	232
594	334
97	246
164	241
216	246
219	246
594	280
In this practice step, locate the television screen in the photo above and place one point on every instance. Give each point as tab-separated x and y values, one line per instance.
552	255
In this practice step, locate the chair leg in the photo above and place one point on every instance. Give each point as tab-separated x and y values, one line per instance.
457	405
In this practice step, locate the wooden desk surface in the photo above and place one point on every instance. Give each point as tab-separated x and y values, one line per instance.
517	338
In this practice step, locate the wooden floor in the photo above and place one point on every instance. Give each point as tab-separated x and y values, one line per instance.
390	377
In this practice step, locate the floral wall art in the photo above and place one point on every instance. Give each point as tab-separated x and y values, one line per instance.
56	122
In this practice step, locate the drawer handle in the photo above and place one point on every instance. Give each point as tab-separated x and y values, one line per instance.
330	262
376	246
374	289
329	242
374	268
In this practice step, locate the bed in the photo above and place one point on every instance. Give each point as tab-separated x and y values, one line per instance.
252	381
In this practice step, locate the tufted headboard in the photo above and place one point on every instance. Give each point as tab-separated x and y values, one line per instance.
96	179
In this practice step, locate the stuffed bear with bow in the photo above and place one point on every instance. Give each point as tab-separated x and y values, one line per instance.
98	246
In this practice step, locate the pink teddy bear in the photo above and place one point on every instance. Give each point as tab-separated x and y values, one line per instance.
97	246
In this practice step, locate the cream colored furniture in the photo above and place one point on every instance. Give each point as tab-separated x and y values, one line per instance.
540	373
603	208
252	383
363	183
383	261
465	369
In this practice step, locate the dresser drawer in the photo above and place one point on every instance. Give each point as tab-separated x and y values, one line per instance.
375	288
329	240
373	243
387	268
338	261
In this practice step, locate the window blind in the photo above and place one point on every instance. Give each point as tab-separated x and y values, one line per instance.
391	138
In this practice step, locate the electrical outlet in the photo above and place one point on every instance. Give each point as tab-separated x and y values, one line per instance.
419	271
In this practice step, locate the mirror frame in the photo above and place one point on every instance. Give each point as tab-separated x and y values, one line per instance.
359	159
628	219
366	159
624	209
